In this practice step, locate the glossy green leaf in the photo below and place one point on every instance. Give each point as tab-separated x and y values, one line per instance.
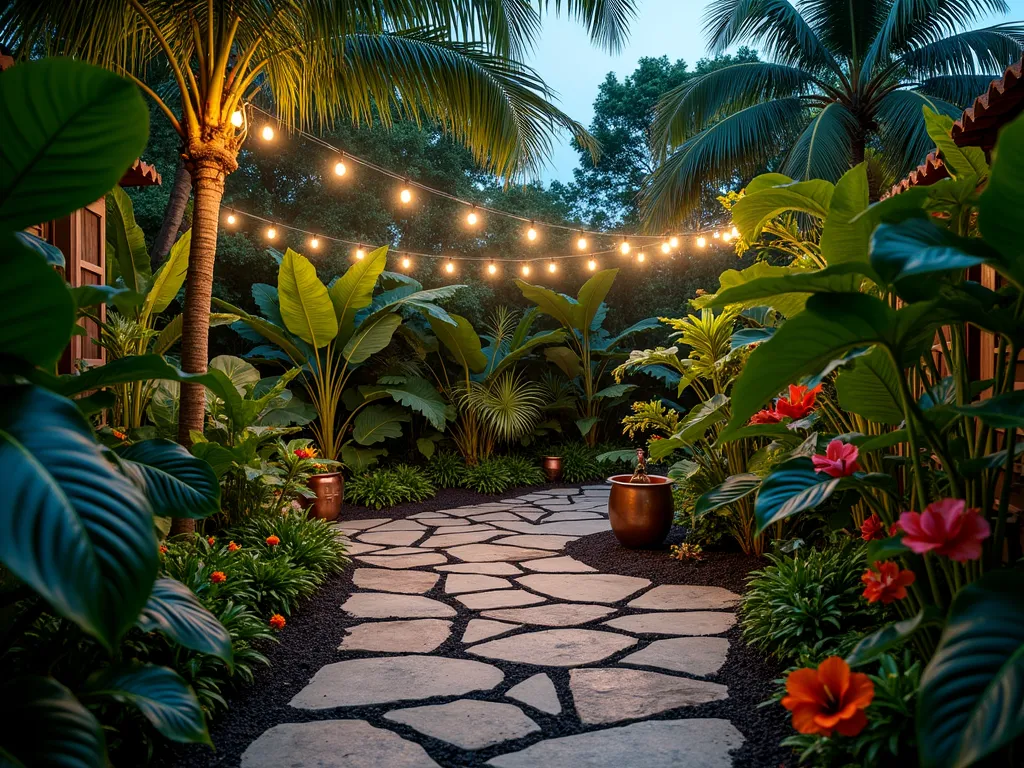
766	181
794	487
371	337
419	395
461	341
243	375
614	390
125	299
591	295
83	533
159	694
697	422
868	443
54	256
377	423
999	205
273	333
754	210
959	160
360	459
353	291
306	307
171	333
842	278
586	424
174	611
844	238
885	549
176	483
71	130
971	702
169	277
786	304
45	725
127	255
892	635
550	303
566	359
871	388
1002	411
734	488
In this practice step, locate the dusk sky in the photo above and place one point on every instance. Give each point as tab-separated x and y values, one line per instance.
574	68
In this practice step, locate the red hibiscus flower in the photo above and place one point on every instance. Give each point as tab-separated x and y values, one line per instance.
218	577
829	698
232	547
765	416
886	582
800	402
211	541
840	459
163	550
947	528
277	621
872	528
272	540
306	453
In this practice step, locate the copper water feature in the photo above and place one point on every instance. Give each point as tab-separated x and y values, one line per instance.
640	507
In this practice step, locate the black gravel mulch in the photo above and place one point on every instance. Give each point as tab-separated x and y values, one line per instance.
314	632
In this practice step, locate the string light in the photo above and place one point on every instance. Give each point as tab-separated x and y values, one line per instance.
315	242
624	248
237	119
267	133
582	242
702	241
525	270
666	248
406	262
673	241
492	269
449	267
640	257
231	218
726	236
271	233
531	233
339	168
717	235
405	195
552	267
592	265
360	253
471	217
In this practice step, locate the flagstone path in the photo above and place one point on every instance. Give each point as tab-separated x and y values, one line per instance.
548	647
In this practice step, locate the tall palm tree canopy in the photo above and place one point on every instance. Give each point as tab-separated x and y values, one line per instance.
840	77
453	62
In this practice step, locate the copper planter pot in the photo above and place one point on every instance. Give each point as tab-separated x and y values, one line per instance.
330	491
640	513
552	466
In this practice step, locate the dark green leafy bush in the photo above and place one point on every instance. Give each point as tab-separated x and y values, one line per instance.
579	462
804	602
415	480
446	469
523	471
309	543
386	487
488	476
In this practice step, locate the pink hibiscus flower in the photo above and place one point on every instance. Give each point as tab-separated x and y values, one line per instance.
947	528
840	459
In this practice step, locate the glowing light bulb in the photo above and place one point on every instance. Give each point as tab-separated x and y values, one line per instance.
640	257
406	262
271	233
735	232
231	218
449	267
591	265
624	248
666	248
237	119
492	269
702	241
471	218
582	243
267	133
405	195
531	233
315	242
525	270
717	235
339	168
726	237
360	253
673	241
552	267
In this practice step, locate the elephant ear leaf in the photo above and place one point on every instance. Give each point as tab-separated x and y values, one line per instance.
306	307
354	290
176	483
44	724
461	341
591	295
971	702
174	610
560	307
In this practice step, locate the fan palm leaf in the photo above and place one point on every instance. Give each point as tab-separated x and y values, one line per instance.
823	149
508	405
899	120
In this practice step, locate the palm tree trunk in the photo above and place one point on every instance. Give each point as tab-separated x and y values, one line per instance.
173	214
207	172
858	148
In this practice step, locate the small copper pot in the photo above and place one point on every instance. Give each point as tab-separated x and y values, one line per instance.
330	491
552	466
640	513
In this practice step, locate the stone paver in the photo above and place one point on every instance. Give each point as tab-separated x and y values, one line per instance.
538	692
386	580
400	525
563	564
447	522
680	597
585	588
416	636
361	525
561	517
537	542
481	629
571	528
489	553
505	598
696	743
466	723
688	623
353	548
334	744
613	695
358	682
453	539
555	647
553	615
699	656
404	561
380	605
489	569
490	516
457	583
391	538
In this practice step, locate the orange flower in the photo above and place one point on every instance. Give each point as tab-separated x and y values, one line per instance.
872	528
218	577
272	540
888	584
306	453
765	416
119	434
277	621
829	698
800	402
211	541
232	547
163	550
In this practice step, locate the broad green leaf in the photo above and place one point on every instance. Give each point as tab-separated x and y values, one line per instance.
176	483
777	432
895	208
125	299
871	388
892	635
159	694
971	701
702	418
550	303
305	306
242	375
659	449
766	181
127	255
567	360
377	423
1004	411
354	290
999	205
586	424
45	725
174	611
621	456
959	160
526	347
844	238
371	337
461	342
271	332
37	312
71	130
785	304
420	395
615	390
754	210
732	490
867	443
591	295
54	256
885	549
426	447
841	278
794	487
83	533
648	323
169	277
171	333
360	459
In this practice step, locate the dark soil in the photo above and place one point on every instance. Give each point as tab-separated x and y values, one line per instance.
313	633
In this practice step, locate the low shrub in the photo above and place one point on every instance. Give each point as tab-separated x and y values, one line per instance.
386	487
523	471
488	476
446	469
415	480
307	542
804	603
579	462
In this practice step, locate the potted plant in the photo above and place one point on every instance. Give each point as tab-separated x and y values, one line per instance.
552	466
640	507
324	487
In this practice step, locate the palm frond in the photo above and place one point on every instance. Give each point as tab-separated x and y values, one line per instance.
825	148
688	109
961	90
607	21
978	51
846	28
510	405
741	143
774	26
902	129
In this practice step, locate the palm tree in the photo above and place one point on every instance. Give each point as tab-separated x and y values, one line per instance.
840	77
450	62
